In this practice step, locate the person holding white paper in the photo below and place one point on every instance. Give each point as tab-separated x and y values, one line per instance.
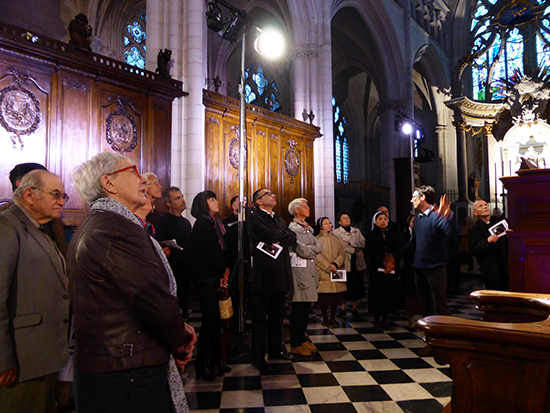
327	262
490	250
305	277
271	279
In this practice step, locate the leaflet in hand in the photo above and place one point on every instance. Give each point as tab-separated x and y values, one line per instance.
273	250
296	261
171	243
499	229
338	276
384	270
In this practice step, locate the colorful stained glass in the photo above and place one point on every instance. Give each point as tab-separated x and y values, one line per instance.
275	104
249	95
502	56
345	161
543	53
259	90
134	58
134	45
136	31
338	159
260	80
341	150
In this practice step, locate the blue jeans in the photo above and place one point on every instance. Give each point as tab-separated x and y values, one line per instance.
139	390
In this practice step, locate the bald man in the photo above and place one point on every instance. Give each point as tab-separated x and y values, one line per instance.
490	250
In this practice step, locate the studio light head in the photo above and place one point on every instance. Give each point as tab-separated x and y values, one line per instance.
214	19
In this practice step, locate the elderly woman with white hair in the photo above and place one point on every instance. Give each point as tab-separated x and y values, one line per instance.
305	277
131	338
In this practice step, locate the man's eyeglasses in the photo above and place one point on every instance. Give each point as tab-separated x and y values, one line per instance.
152	183
55	194
266	193
125	169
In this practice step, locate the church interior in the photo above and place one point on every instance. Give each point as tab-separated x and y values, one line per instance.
182	88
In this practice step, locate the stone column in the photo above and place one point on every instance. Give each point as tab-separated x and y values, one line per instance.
181	27
462	203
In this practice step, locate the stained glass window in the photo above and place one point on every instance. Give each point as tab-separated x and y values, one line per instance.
341	149
499	37
134	41
259	90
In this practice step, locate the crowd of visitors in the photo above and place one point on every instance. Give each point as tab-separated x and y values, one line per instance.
130	271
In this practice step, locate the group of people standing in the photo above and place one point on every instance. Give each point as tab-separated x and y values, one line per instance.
128	271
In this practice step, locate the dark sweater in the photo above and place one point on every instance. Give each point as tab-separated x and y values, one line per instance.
429	243
207	260
178	228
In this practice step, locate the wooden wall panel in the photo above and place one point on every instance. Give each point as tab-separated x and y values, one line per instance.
78	94
36	80
270	137
75	96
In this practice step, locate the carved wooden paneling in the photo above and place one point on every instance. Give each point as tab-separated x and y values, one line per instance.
276	145
89	103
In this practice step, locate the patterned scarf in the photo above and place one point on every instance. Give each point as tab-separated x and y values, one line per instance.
218	228
174	379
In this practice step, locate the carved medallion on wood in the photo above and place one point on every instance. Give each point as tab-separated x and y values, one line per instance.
234	146
121	127
292	160
19	108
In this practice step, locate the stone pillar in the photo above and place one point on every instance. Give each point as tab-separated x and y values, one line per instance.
181	27
462	203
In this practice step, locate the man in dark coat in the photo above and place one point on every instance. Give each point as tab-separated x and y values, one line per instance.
490	250
271	277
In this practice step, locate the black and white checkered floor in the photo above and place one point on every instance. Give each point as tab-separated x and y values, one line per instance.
355	370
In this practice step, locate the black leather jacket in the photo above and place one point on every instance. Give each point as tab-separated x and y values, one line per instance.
125	316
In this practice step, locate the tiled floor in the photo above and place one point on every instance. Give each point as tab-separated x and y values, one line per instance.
355	370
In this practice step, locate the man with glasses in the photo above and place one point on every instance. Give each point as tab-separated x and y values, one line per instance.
34	300
271	278
154	192
55	228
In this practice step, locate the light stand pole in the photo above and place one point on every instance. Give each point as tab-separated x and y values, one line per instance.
229	29
242	199
411	144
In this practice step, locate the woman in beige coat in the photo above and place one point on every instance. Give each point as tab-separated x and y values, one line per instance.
328	261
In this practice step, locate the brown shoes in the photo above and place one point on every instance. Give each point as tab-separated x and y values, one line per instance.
309	346
301	351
